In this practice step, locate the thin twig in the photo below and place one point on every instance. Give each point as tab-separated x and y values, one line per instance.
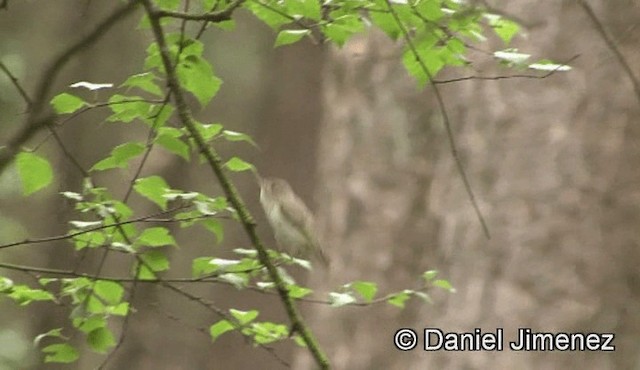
612	46
506	77
445	118
215	163
237	326
219	16
77	233
37	118
16	83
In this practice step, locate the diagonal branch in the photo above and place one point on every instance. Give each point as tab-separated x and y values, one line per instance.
219	16
445	118
37	120
215	163
16	83
612	46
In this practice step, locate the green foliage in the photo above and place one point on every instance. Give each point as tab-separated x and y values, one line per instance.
144	81
35	172
286	37
153	188
61	353
24	295
66	103
170	138
435	35
236	164
120	156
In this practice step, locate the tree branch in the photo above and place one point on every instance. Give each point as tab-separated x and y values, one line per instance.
612	46
445	118
36	119
219	16
215	163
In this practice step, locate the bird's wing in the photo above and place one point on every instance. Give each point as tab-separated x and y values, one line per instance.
299	215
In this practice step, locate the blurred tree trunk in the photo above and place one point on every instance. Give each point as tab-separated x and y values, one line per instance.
553	163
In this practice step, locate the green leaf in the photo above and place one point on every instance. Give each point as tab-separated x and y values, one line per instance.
156	237
24	295
244	317
121	309
273	18
304	9
366	289
128	108
196	75
215	227
428	56
110	292
236	164
119	157
100	340
220	328
202	266
286	37
154	261
268	332
298	292
66	103
144	81
399	299
209	131
387	24
343	27
444	284
153	188
61	353
89	324
91	239
228	25
168	4
35	172
238	136
169	138
429	275
504	28
159	115
430	10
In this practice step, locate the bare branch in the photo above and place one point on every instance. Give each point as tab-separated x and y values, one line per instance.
506	77
445	118
612	46
219	16
16	83
115	224
215	163
37	119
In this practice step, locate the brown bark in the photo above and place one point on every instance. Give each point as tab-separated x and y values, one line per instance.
553	164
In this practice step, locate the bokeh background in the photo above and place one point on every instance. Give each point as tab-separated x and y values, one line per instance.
554	164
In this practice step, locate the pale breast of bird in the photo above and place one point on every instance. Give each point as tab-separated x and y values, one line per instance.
287	236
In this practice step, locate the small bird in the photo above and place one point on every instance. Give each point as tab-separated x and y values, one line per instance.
291	221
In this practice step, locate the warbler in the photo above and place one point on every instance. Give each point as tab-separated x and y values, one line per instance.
292	222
